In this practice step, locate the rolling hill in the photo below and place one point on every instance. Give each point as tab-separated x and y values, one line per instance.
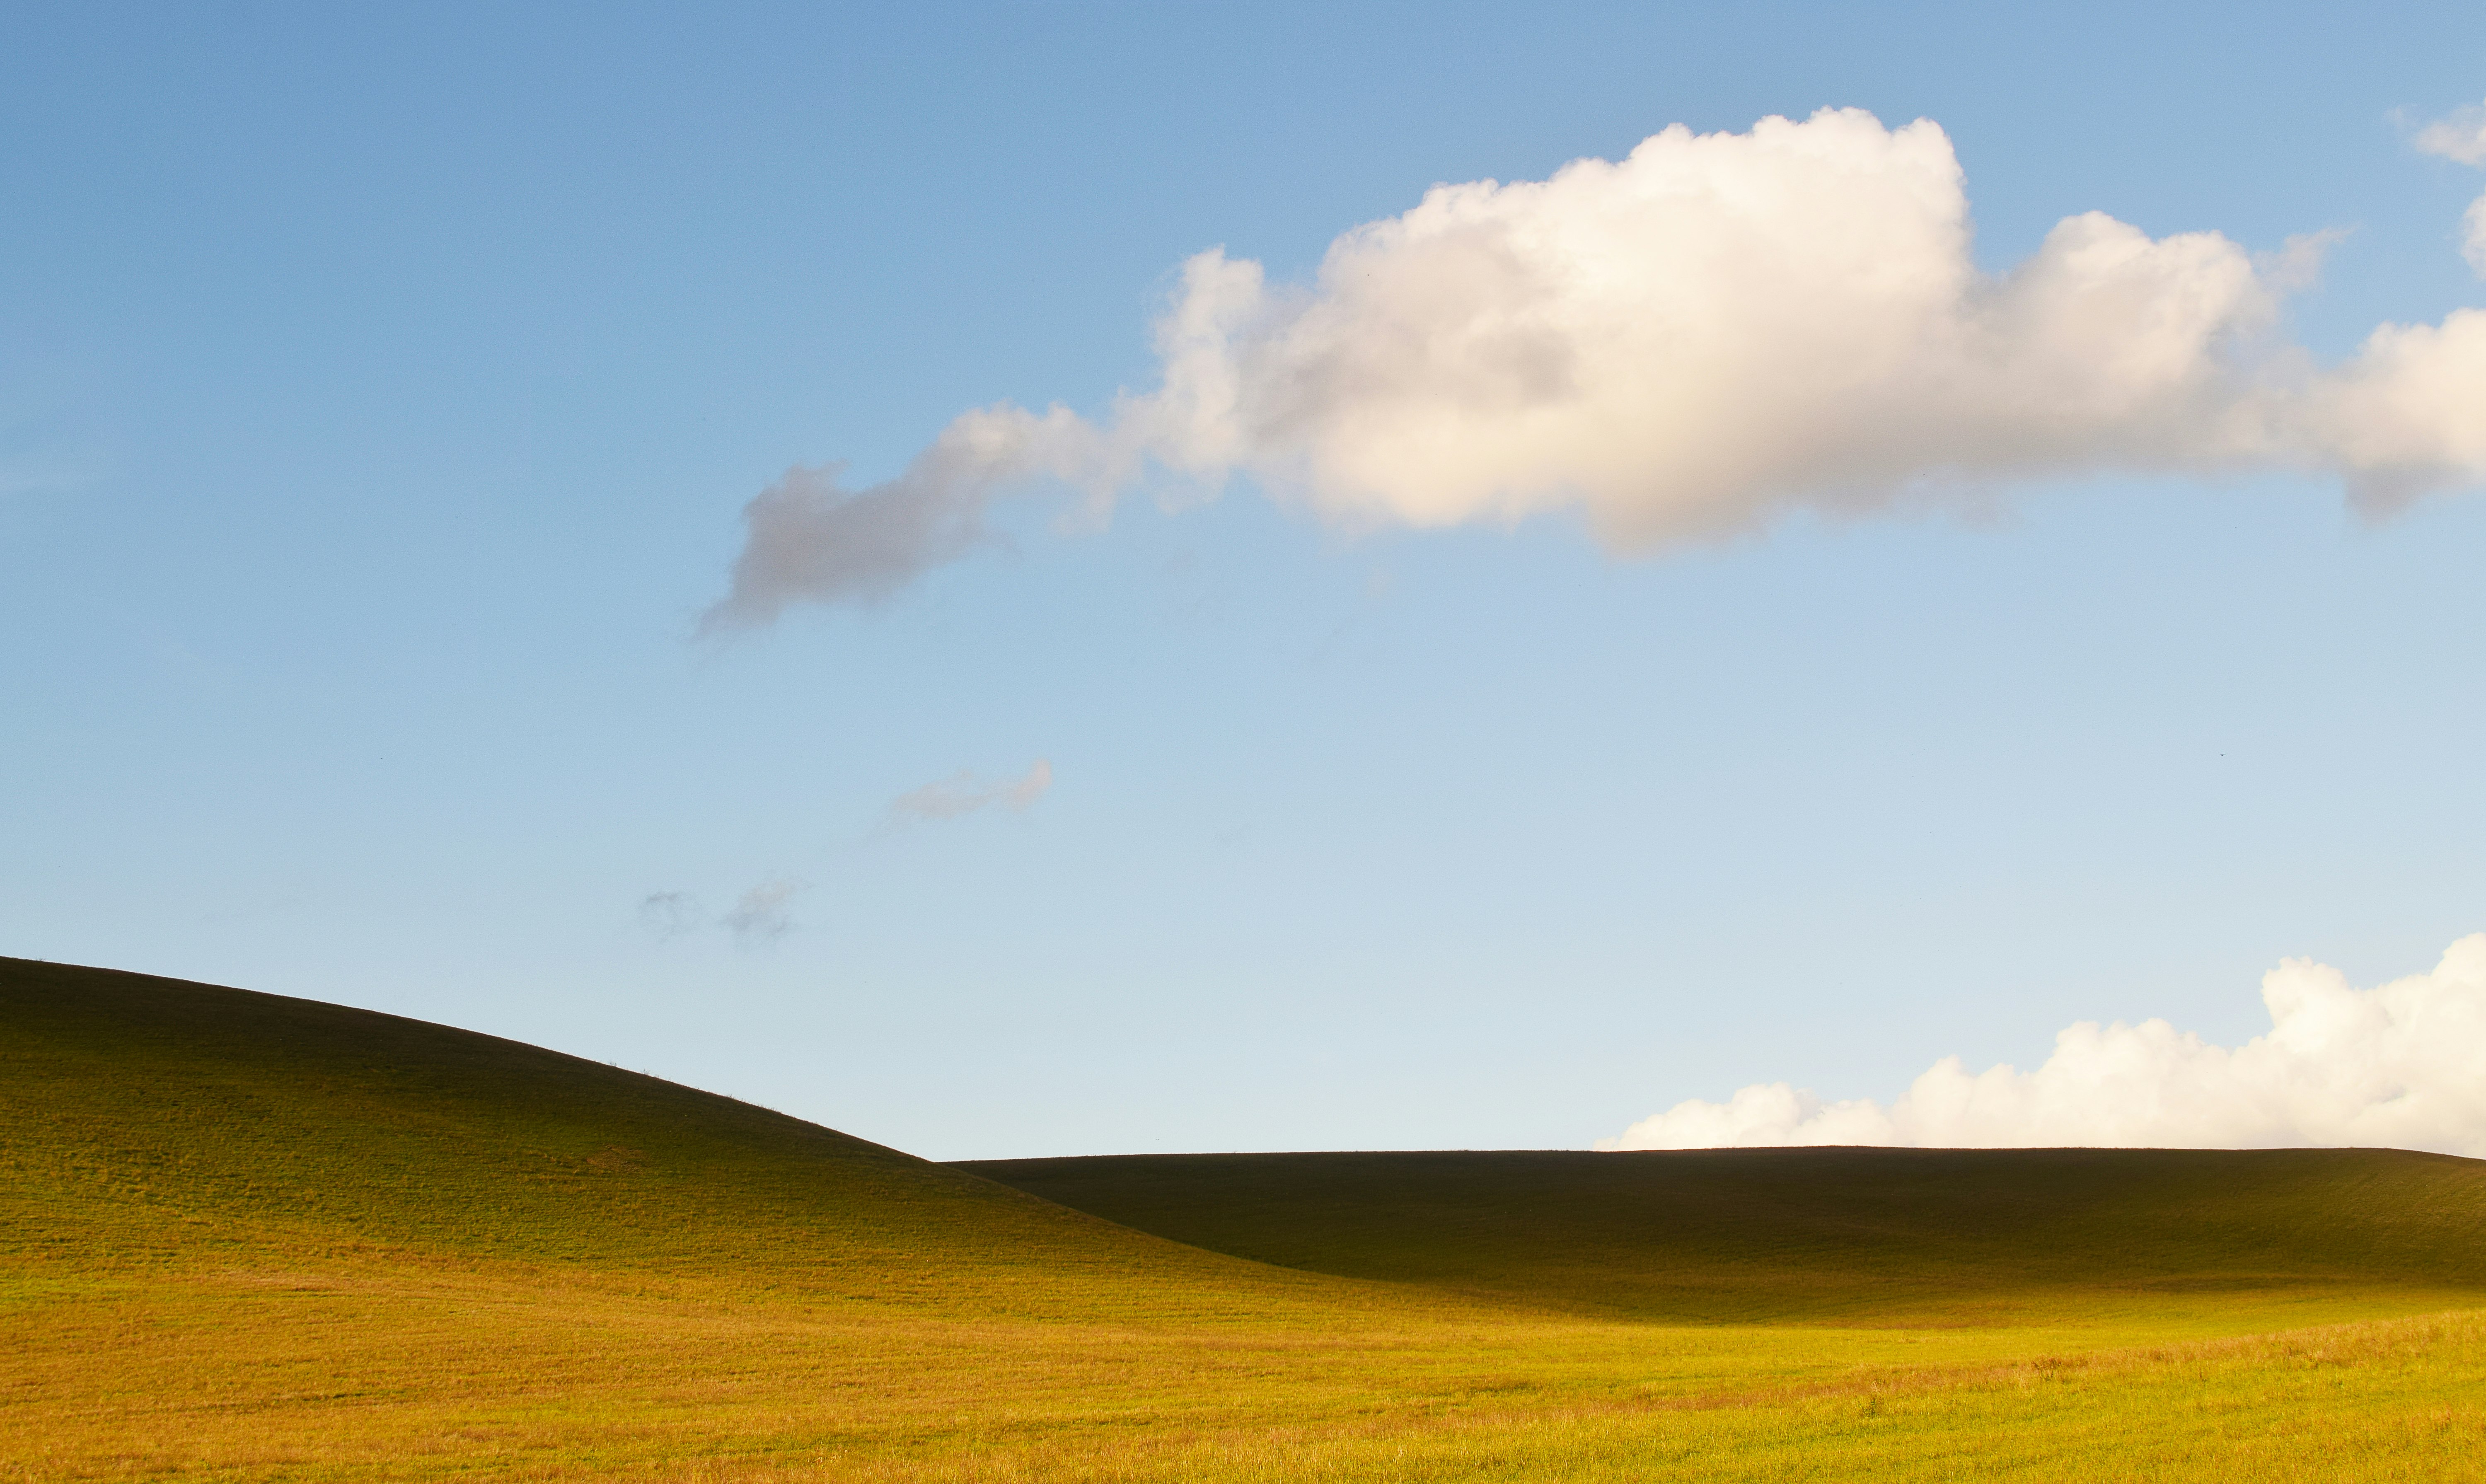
249	1238
146	1121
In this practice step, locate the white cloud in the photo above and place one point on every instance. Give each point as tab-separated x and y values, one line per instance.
1711	335
963	793
765	913
2459	135
2398	1066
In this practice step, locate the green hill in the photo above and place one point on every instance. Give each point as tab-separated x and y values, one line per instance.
249	1238
146	1121
1818	1233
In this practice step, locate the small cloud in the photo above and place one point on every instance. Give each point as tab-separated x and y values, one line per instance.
762	914
2459	135
963	793
669	915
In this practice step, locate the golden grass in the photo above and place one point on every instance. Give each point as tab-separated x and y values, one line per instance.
343	1248
404	1369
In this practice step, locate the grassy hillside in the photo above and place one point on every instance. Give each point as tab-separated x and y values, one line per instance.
146	1121
247	1238
1821	1234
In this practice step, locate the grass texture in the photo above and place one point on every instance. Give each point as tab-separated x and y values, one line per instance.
245	1237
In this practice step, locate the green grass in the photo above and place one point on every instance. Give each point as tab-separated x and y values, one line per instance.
149	1120
250	1238
1827	1235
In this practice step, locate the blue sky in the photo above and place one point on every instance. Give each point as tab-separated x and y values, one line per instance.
379	396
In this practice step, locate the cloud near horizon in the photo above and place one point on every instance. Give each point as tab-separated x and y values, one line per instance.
1708	335
2397	1067
963	793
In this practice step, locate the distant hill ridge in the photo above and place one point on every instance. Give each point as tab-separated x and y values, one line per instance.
1812	1233
150	1122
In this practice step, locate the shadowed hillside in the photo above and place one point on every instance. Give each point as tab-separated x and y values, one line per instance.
146	1121
1823	1233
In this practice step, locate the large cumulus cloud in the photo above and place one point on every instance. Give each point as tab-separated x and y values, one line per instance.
1707	335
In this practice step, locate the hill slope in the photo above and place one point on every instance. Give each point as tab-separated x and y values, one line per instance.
1817	1233
146	1121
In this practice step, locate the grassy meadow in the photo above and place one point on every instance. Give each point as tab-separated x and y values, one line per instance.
247	1237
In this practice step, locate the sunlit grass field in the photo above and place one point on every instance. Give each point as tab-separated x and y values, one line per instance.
243	1237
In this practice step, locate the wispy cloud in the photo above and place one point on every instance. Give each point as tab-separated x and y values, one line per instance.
1708	335
2395	1065
963	793
764	914
670	915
